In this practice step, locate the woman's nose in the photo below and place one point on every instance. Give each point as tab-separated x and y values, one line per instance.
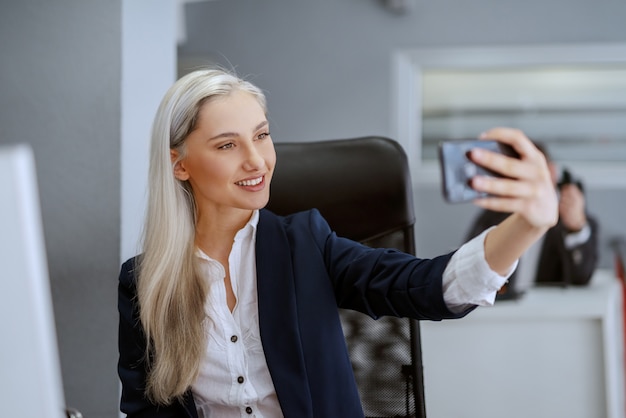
254	160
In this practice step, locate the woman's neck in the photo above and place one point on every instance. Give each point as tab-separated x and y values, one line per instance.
215	233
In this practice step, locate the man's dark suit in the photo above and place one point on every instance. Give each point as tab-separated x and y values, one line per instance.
304	272
556	263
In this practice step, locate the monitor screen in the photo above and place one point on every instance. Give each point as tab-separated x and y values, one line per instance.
29	360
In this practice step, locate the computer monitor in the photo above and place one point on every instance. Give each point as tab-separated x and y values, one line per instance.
30	371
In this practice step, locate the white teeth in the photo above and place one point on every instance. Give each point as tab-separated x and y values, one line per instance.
253	182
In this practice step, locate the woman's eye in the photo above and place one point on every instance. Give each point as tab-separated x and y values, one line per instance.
226	146
263	135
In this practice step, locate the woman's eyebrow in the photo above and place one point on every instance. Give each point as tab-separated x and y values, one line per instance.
232	134
223	135
262	124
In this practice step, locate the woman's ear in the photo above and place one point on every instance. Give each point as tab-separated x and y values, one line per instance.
179	169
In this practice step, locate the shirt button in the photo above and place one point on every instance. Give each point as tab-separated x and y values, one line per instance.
248	410
240	379
233	339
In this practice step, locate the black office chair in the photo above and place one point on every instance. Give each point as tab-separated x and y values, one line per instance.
362	187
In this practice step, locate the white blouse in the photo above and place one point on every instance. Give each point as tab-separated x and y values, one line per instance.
234	379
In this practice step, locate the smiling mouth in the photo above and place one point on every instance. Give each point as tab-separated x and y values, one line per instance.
252	182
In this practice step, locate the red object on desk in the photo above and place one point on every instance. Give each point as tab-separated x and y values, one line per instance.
620	273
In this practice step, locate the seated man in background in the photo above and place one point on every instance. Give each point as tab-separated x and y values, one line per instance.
568	252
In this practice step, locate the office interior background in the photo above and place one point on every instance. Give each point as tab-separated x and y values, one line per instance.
80	81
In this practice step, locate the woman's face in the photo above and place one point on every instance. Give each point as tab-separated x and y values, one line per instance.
230	156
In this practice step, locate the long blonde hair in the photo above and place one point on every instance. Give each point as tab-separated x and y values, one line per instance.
170	292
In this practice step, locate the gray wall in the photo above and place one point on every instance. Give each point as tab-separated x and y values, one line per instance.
80	82
60	92
327	68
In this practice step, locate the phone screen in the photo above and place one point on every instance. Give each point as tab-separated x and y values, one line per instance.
457	170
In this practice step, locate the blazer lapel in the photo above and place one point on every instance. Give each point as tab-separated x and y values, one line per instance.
278	317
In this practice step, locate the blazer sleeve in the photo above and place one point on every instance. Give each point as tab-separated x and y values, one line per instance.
379	281
132	363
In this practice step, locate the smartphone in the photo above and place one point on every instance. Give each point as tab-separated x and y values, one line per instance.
457	170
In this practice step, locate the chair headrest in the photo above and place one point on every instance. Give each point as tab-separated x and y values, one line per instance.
361	186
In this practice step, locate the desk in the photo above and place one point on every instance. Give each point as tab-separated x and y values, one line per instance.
554	353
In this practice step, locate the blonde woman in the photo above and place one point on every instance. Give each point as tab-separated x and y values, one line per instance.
232	311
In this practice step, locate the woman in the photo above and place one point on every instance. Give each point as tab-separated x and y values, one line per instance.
232	311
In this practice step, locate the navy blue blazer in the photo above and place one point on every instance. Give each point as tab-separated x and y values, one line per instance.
304	272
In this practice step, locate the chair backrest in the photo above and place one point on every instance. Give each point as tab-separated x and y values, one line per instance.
360	185
363	189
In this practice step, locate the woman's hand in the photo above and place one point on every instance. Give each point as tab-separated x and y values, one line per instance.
526	189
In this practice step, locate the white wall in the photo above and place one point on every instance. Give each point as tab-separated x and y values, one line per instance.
149	31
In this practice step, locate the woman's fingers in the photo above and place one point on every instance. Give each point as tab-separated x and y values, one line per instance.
504	187
514	137
500	204
526	187
501	164
527	152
